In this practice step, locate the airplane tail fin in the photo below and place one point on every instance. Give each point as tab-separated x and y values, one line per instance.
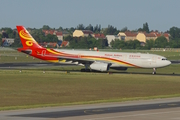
31	47
27	40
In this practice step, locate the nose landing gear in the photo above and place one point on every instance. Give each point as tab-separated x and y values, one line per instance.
154	71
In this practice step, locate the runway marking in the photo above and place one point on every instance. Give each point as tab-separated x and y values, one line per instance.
172	104
132	115
91	112
168	105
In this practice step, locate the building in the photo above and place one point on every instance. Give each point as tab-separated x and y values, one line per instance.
166	35
99	36
49	44
111	38
60	35
122	35
128	35
52	32
65	33
64	43
82	33
7	41
141	36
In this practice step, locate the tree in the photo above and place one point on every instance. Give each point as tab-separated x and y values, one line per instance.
68	38
117	44
174	32
136	44
146	27
0	39
130	44
175	43
102	43
97	28
50	38
46	27
5	35
90	27
9	33
71	30
87	42
149	44
38	35
60	28
110	30
124	29
17	42
80	27
161	42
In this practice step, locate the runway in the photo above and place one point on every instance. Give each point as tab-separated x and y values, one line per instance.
48	64
26	65
166	109
43	64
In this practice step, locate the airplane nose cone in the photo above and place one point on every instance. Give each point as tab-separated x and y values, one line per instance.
168	62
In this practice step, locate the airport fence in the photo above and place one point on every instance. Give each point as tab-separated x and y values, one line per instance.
166	49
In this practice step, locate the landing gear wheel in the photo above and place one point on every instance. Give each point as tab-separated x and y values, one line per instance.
85	70
154	73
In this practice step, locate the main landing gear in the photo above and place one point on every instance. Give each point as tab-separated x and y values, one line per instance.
154	71
86	69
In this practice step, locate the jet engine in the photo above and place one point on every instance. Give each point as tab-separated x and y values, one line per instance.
99	66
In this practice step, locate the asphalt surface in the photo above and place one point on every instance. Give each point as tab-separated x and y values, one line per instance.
145	109
38	64
47	64
44	64
82	112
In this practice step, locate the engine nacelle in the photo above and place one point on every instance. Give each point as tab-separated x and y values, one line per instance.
99	66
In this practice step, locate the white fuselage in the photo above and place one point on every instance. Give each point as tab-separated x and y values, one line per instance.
122	59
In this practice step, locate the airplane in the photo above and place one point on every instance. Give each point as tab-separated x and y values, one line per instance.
92	60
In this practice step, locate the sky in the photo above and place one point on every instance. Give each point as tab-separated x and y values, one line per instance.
159	14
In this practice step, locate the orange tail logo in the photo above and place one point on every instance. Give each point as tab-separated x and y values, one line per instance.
26	39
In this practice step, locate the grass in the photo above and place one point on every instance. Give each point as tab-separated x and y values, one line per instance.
11	55
30	89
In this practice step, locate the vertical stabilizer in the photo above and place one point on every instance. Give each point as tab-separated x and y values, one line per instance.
26	39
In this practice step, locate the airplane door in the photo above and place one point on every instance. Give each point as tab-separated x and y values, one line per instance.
124	57
154	59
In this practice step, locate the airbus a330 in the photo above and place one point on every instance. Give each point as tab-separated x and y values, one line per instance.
92	60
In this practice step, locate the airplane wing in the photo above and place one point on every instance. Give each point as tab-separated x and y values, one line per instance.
79	59
76	57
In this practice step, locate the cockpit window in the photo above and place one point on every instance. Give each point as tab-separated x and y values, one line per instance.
164	58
